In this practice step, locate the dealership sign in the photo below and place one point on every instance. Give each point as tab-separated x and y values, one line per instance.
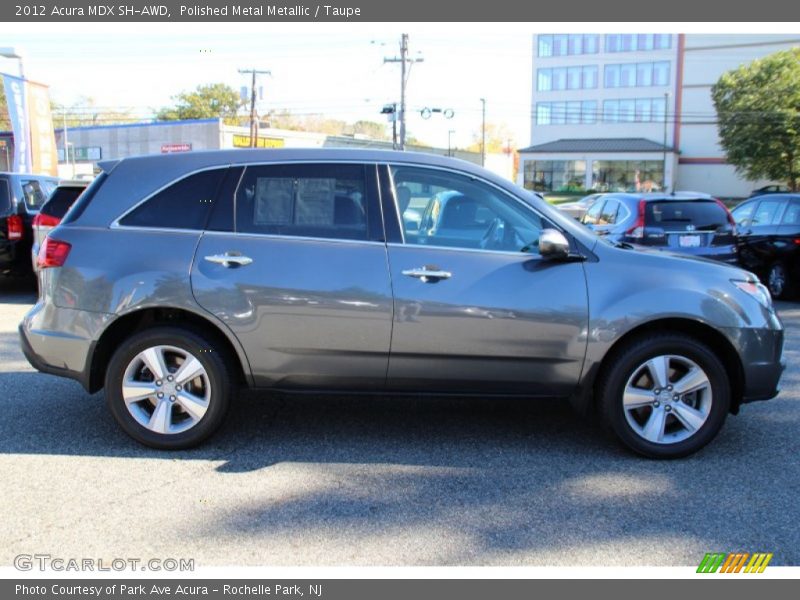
243	141
170	148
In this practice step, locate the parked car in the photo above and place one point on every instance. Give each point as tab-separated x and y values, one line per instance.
21	197
770	189
53	210
577	209
769	241
175	279
685	222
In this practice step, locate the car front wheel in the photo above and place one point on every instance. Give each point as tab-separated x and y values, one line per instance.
778	281
168	388
664	396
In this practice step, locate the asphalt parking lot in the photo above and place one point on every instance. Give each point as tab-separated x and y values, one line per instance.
368	481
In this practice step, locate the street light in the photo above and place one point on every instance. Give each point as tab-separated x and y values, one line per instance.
9	52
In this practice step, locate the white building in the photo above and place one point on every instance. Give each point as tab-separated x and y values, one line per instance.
633	112
90	144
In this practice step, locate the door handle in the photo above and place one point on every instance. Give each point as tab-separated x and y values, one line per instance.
229	260
427	275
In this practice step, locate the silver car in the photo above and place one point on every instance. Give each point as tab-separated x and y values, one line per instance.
176	279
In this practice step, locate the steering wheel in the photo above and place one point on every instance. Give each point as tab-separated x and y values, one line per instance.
493	236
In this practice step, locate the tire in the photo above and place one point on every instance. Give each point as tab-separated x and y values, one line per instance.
188	411
779	283
649	419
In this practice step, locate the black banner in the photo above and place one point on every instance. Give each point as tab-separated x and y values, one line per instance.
497	11
396	589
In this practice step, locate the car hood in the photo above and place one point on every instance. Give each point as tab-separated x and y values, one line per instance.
675	259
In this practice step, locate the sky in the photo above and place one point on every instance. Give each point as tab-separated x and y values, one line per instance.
337	73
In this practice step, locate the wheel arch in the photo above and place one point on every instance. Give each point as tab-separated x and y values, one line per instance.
145	318
585	401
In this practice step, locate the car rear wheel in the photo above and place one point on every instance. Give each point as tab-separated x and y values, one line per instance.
168	388
664	396
778	281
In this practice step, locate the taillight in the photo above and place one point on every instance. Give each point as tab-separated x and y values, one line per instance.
728	213
796	241
41	220
15	227
637	231
52	253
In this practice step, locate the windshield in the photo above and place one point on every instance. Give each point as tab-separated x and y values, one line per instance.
60	200
706	215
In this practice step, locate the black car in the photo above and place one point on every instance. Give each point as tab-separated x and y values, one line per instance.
21	197
685	222
769	241
770	189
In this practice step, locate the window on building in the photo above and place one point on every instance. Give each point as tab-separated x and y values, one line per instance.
545	46
589	111
569	113
555	175
637	75
642	42
543	113
544	80
562	45
661	73
627	175
571	78
573	113
639	110
663	41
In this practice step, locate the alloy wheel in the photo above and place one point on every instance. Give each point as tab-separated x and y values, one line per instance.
166	389
667	399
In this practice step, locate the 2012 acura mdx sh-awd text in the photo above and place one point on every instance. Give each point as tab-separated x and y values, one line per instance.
176	279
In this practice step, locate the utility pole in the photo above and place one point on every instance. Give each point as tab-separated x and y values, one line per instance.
405	69
483	132
253	115
666	104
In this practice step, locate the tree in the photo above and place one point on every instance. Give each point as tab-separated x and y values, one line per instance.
498	139
85	112
758	111
205	102
5	122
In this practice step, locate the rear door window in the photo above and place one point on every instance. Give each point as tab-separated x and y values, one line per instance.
792	214
592	215
182	205
319	201
767	212
743	213
608	216
702	215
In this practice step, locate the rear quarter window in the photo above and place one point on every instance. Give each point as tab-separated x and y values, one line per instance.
182	205
60	200
702	214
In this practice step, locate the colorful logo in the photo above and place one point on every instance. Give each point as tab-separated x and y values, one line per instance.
734	562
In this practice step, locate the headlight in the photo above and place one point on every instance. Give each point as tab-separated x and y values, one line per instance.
756	290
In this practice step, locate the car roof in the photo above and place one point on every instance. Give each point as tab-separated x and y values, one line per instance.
660	196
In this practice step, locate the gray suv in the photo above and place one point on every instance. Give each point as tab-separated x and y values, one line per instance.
175	279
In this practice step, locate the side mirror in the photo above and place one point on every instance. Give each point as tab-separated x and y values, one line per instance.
553	244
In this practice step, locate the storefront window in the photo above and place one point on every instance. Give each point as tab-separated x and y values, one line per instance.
555	175
627	175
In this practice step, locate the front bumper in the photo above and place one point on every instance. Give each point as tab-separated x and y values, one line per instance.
763	363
